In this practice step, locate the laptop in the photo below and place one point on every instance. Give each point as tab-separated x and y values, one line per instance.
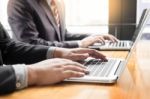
122	44
110	71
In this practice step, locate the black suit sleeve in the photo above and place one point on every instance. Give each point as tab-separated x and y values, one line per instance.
15	53
7	79
75	36
21	17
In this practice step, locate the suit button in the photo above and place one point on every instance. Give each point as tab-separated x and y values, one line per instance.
18	84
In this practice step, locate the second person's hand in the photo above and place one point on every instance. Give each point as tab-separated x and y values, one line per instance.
88	41
78	54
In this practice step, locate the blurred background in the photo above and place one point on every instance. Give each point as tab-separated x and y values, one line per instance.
117	17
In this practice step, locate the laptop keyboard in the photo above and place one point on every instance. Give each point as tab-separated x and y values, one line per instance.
117	44
99	68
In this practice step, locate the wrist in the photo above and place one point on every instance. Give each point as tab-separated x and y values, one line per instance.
50	52
58	52
80	44
21	75
32	75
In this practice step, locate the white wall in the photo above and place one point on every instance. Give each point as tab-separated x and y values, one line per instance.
3	12
87	16
142	4
3	15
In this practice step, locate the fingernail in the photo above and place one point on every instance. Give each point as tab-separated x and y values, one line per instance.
105	59
86	54
86	71
81	74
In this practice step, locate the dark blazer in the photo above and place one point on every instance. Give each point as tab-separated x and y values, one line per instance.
32	21
12	52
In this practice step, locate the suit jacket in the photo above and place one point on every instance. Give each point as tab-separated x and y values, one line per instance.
32	21
12	52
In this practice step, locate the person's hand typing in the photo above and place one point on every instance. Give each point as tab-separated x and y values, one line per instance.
77	54
53	71
88	41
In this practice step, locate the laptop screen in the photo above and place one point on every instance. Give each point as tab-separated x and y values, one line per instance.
140	25
139	31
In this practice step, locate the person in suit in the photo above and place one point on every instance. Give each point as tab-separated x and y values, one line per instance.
38	70
34	22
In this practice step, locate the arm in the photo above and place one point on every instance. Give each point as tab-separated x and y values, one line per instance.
17	52
75	36
8	83
7	79
23	20
43	73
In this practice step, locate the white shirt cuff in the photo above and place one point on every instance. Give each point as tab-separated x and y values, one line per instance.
50	52
21	76
79	43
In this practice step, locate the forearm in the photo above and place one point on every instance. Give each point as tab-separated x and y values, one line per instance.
21	76
18	52
75	36
63	44
26	74
31	76
7	79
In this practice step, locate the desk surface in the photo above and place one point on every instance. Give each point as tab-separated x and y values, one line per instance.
133	84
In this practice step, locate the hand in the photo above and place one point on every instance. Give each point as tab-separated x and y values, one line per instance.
77	54
110	38
54	70
97	39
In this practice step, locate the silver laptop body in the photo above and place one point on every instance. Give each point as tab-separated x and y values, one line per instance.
108	72
122	44
100	72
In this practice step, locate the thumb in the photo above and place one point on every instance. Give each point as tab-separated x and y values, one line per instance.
77	57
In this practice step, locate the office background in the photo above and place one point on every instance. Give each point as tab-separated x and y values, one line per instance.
117	17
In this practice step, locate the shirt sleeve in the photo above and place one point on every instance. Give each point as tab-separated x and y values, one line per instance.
79	43
21	76
21	71
50	52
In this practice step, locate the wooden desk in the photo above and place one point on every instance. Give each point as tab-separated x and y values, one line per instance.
133	84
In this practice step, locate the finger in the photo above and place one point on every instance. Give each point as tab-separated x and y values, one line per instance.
77	57
111	38
116	40
102	39
75	64
93	53
75	68
82	50
99	41
94	41
63	61
69	73
97	54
